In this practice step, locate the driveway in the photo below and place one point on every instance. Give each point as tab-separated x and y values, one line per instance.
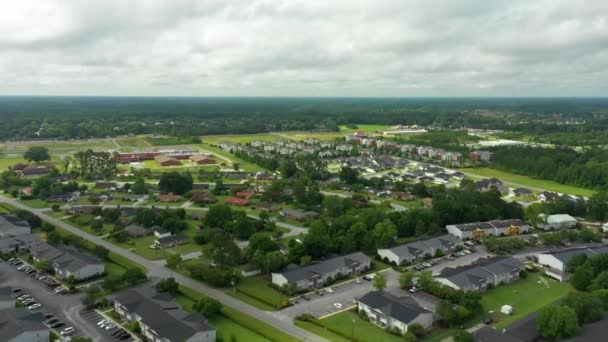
65	307
344	294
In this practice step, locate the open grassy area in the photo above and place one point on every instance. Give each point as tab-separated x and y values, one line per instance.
364	331
246	166
525	295
364	128
528	181
35	203
7	161
321	331
255	291
240	138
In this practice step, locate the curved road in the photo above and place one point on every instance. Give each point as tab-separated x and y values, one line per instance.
275	319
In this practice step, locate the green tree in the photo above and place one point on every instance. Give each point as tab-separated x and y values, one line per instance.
463	336
557	322
383	233
173	261
406	280
379	281
167	285
175	182
37	154
588	307
139	187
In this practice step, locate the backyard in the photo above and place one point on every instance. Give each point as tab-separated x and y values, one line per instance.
525	296
349	324
255	291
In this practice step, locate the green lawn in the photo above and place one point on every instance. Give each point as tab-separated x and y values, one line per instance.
528	181
240	138
525	295
364	128
363	330
321	331
254	290
248	167
35	203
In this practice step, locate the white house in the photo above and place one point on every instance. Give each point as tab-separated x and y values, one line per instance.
556	263
479	230
556	222
388	311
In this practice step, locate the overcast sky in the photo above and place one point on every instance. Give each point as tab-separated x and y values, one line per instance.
304	48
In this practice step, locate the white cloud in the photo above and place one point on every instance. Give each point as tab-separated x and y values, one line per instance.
305	48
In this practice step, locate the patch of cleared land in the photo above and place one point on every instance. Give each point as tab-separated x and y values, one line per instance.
528	181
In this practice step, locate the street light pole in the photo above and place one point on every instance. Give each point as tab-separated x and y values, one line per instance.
353	330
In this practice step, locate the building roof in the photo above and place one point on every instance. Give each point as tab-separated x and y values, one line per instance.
403	309
565	255
172	238
466	227
330	265
19	240
477	272
559	218
162	314
74	261
46	252
14	322
9	222
422	247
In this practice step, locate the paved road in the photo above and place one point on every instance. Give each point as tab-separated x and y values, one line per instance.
155	270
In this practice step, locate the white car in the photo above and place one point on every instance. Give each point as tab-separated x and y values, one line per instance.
102	323
338	306
67	331
110	326
34	306
329	290
358	281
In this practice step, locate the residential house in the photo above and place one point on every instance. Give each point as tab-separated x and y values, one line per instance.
22	325
479	230
556	262
81	210
298	215
488	184
160	318
237	201
482	273
161	233
556	222
547	196
135	230
418	250
520	192
35	170
12	225
391	312
244	194
203	197
170	197
170	241
485	156
317	274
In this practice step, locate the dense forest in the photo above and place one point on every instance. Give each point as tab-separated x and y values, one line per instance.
588	169
85	117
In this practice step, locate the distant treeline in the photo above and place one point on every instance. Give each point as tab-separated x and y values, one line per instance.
588	169
84	117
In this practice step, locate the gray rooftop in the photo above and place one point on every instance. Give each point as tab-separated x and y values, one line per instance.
14	322
477	272
422	247
403	309
565	255
326	266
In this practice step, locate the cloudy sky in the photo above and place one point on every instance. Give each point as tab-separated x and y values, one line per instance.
304	47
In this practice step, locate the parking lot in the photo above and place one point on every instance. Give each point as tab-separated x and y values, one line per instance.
65	308
343	297
110	329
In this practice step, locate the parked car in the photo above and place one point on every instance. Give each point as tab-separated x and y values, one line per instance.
358	281
34	306
51	321
369	276
57	324
338	306
16	289
329	290
67	331
102	322
413	289
319	292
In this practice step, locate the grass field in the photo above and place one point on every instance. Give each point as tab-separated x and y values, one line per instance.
528	181
321	331
255	290
35	203
363	330
525	295
7	161
240	138
249	167
364	128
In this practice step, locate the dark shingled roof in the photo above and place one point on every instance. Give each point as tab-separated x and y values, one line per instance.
403	309
566	254
483	269
14	322
162	314
326	266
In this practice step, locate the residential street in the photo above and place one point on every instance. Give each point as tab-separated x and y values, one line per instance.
155	270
